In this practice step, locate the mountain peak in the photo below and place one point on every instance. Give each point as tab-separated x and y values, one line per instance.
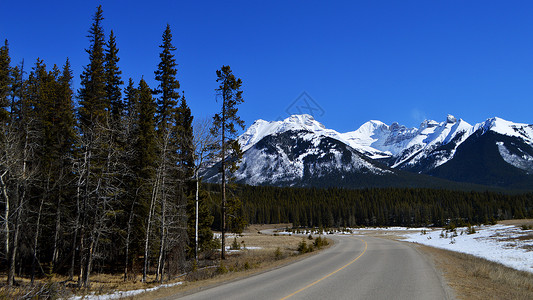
303	120
261	128
450	119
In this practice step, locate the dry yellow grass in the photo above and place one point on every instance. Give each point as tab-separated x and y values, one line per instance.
476	278
517	222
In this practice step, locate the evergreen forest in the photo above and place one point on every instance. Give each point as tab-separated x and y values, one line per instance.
99	179
338	208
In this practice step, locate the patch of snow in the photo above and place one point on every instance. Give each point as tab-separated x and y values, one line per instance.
123	294
524	162
493	243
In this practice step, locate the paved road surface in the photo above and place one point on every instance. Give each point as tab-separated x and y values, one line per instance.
354	268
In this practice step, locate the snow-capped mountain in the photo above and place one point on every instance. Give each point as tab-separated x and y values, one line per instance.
296	151
300	149
404	147
496	152
261	128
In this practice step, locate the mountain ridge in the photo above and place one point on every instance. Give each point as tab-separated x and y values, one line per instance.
300	149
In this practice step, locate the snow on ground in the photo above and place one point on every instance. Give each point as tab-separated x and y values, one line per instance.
123	294
360	230
505	244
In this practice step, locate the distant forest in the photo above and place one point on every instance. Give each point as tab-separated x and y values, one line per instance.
335	207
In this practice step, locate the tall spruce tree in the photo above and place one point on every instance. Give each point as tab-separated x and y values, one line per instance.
184	121
63	133
113	80
5	82
168	188
96	157
167	90
130	102
92	94
225	125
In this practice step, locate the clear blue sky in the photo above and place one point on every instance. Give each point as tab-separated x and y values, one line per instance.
401	61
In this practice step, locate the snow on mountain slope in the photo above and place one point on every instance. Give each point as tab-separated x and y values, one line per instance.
432	135
522	160
375	139
292	157
261	128
406	145
504	127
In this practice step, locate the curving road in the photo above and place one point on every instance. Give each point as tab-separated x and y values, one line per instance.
354	268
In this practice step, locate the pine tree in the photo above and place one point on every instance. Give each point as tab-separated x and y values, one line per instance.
224	125
168	189
146	138
5	82
135	187
92	94
113	80
130	101
63	137
97	160
185	140
168	84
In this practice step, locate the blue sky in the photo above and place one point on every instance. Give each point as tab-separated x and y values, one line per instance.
394	61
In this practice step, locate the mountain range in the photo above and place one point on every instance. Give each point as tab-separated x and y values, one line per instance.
300	151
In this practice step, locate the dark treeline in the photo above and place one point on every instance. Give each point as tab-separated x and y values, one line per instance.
336	207
98	184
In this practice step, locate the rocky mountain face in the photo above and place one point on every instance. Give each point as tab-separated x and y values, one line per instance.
300	151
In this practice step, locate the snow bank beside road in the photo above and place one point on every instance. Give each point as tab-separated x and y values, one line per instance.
508	245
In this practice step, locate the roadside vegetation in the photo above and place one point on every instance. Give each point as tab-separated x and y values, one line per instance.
477	278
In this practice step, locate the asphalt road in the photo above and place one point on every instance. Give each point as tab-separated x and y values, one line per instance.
354	268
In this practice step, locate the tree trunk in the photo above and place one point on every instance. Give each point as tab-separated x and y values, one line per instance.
196	221
7	211
55	253
223	167
14	249
155	190
36	240
76	222
160	261
128	236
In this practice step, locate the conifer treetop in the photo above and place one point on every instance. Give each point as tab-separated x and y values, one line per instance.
168	84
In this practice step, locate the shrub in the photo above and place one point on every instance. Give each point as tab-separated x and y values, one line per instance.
302	247
320	242
526	227
277	253
221	269
235	245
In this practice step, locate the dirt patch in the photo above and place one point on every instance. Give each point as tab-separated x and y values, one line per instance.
517	222
256	228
